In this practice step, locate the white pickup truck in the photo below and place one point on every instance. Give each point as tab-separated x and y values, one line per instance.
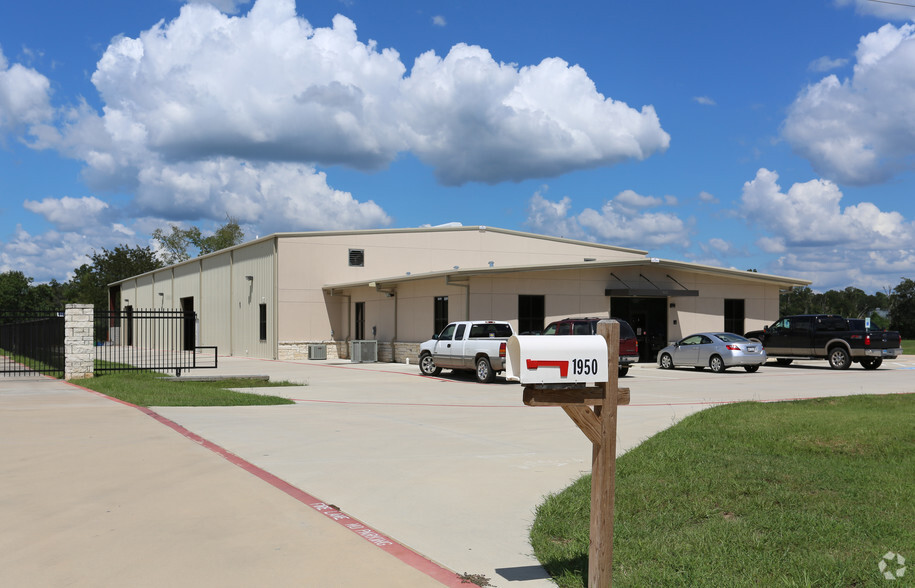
467	345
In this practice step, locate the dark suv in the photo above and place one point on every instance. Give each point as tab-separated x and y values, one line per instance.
629	345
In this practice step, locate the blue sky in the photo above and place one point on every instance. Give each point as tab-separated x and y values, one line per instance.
777	136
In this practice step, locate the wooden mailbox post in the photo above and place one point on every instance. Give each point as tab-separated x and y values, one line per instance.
593	409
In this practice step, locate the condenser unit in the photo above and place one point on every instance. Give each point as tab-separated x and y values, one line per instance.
317	352
365	351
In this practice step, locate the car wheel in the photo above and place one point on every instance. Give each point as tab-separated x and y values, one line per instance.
839	358
427	365
872	364
716	364
783	361
666	361
623	371
751	368
485	375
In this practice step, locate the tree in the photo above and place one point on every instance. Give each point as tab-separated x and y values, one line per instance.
902	308
228	235
174	245
90	282
796	301
52	295
15	290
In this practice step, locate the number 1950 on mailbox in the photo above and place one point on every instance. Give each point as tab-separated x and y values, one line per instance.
570	359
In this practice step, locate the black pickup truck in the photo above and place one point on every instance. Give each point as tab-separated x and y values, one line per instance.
828	336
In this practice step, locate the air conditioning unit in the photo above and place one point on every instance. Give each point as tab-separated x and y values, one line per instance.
365	352
317	352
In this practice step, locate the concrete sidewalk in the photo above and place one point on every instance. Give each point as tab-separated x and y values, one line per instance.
98	493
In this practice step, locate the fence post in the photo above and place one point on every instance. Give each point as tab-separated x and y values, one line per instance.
79	351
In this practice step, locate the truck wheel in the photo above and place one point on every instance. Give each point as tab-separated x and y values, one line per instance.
666	362
427	365
485	375
783	361
872	363
716	364
839	358
623	370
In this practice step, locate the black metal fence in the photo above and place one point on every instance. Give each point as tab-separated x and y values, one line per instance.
149	339
32	343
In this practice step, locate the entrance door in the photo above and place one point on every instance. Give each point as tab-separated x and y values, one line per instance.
648	318
188	324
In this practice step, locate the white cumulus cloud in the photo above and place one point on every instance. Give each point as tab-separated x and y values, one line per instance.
212	114
68	213
618	222
475	119
25	97
820	240
897	10
860	130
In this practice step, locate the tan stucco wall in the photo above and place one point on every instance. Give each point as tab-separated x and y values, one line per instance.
291	274
306	263
568	293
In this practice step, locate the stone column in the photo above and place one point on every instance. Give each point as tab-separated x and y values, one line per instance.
78	341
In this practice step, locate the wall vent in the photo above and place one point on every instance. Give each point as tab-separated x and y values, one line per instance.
357	257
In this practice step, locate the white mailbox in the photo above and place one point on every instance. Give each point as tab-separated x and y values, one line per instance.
559	359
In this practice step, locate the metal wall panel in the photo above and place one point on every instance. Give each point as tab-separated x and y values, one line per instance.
253	283
215	302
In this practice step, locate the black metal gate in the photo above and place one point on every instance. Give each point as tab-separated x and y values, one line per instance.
32	343
149	339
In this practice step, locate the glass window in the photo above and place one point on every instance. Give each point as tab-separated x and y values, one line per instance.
531	312
731	338
440	314
360	321
447	333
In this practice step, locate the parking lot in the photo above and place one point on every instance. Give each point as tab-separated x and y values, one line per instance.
454	469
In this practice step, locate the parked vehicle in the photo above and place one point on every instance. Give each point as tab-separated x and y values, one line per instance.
467	345
629	345
717	351
828	336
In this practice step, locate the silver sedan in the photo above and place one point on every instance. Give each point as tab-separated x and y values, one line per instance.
717	351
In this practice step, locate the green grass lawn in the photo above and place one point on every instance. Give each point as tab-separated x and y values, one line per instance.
151	389
908	346
806	493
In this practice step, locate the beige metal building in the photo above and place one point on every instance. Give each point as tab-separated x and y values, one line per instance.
289	294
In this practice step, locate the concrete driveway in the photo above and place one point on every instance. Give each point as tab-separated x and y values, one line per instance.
454	469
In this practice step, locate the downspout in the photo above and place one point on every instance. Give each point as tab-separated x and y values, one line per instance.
466	287
349	324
